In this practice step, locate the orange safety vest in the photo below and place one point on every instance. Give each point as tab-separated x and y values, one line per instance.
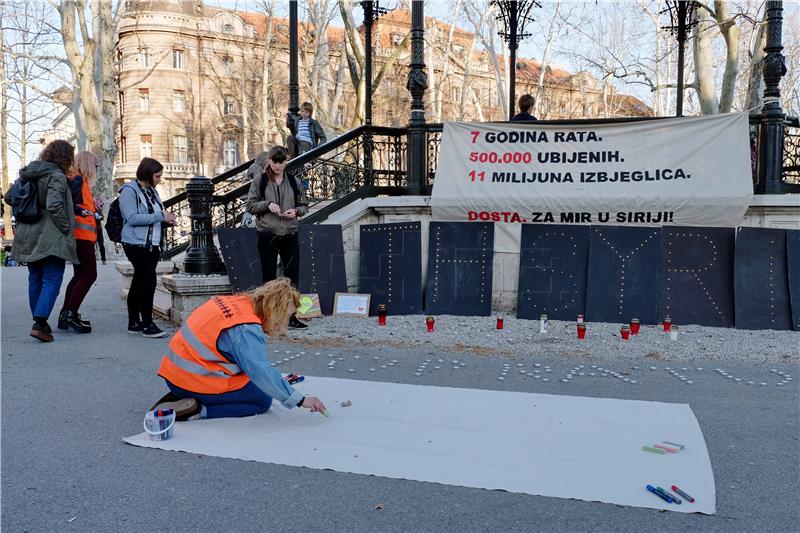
86	226
193	361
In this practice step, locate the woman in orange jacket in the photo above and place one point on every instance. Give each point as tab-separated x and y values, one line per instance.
86	228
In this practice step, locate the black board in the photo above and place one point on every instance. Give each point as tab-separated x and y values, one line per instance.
459	280
390	266
793	263
761	282
322	269
552	271
239	249
623	278
697	276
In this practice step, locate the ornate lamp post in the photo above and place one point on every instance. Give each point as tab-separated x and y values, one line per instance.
416	85
680	16
202	257
294	87
770	137
514	14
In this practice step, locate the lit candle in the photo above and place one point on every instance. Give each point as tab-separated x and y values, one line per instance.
581	330
499	323
543	324
673	333
625	332
667	323
635	326
429	322
382	314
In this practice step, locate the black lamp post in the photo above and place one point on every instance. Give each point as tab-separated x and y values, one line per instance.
202	257
514	14
417	85
681	13
770	137
371	12
294	86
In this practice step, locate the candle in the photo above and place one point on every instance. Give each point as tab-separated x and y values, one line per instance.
429	322
673	333
635	326
667	323
625	332
499	323
382	314
581	330
543	324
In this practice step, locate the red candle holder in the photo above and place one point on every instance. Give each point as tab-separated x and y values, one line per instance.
429	321
581	330
667	323
635	326
625	332
382	314
499	323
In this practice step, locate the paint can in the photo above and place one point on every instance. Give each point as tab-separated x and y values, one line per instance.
160	424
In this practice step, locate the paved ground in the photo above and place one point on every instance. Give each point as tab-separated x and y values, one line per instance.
66	406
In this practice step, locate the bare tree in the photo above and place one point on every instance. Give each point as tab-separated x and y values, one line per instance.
9	232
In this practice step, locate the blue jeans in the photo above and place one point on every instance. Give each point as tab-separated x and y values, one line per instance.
44	283
247	401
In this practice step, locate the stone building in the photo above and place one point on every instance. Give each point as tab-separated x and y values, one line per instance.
191	80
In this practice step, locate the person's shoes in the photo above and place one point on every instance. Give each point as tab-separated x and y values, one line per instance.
39	331
184	408
62	319
81	320
168	397
153	332
135	328
295	323
73	320
104	261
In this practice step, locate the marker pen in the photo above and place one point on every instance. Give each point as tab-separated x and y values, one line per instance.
665	493
663	497
681	493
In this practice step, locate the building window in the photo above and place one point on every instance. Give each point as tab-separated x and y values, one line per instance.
229	106
227	65
179	101
144	58
230	153
144	100
146	144
455	93
227	28
179	148
177	59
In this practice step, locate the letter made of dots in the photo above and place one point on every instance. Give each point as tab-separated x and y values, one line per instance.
391	254
440	262
696	271
571	291
625	260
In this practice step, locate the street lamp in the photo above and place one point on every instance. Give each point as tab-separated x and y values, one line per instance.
681	15
514	14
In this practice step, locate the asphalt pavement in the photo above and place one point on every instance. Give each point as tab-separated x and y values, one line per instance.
67	405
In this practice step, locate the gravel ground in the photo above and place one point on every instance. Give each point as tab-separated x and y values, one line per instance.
479	336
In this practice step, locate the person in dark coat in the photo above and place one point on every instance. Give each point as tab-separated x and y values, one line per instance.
525	104
47	244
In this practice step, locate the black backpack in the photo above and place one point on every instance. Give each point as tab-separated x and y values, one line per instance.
114	221
23	198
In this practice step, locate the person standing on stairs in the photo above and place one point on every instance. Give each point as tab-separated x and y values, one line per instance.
277	200
144	217
85	272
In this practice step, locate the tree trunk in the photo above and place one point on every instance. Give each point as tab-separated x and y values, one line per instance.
755	82
703	63
730	32
266	108
9	231
543	68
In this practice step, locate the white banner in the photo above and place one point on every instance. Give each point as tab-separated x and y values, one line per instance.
681	171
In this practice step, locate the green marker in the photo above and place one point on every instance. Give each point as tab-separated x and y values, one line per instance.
650	449
326	413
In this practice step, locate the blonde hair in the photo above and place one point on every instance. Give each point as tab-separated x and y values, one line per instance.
274	302
86	165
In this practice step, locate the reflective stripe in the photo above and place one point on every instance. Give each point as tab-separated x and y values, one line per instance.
87	227
203	351
192	367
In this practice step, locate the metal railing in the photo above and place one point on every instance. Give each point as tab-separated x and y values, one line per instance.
368	161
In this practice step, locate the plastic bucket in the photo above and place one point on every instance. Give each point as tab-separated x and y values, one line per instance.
160	424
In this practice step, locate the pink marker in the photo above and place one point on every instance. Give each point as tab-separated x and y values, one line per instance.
666	448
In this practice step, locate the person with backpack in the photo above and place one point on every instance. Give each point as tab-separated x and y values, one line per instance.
277	200
86	231
142	233
45	239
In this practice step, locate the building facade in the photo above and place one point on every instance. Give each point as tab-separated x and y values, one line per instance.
198	93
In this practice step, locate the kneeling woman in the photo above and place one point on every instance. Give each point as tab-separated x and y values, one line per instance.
217	364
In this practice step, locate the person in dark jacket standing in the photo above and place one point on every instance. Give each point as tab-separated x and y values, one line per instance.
141	239
525	104
277	204
47	244
306	132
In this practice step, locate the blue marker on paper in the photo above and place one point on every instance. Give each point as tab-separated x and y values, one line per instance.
652	489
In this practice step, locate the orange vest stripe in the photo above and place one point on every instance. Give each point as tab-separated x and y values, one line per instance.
193	361
86	226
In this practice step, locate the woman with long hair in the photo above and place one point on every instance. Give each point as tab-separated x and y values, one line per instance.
277	200
144	217
217	366
86	230
49	242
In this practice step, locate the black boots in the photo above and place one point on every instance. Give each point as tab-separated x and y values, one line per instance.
72	319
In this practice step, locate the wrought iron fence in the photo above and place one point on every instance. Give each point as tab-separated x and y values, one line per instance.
791	152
